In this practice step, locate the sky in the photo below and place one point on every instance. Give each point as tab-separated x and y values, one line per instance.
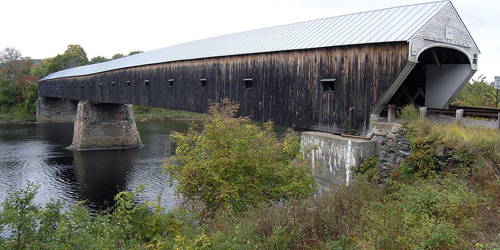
43	29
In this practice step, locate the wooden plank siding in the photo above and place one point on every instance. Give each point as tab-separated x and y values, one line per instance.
286	86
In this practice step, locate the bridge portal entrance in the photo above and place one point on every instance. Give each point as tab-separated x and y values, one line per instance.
435	80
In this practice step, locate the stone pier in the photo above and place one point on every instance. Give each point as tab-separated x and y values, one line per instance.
55	110
104	126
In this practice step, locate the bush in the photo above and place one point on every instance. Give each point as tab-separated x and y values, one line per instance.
128	225
233	163
409	113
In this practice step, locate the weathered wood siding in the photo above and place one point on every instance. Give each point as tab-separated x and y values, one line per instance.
286	86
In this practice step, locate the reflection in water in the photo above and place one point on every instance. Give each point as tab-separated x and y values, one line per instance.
100	175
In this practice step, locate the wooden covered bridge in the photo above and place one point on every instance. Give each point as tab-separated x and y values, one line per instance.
314	75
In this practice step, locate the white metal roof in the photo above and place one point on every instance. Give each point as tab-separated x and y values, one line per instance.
385	25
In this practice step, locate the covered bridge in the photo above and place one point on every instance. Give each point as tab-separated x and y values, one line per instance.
311	74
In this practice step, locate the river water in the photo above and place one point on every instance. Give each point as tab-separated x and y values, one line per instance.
36	153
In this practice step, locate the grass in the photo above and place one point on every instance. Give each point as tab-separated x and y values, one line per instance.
143	113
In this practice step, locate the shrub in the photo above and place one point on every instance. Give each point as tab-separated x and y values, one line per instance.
409	113
233	163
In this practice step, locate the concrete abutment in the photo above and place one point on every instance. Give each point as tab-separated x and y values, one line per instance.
334	157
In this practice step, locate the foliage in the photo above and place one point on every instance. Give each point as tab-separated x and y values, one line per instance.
98	59
409	113
18	98
135	52
348	127
127	226
315	223
478	94
74	56
13	64
233	163
18	91
117	56
368	168
144	113
440	214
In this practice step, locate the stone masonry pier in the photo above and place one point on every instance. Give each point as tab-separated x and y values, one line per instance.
104	126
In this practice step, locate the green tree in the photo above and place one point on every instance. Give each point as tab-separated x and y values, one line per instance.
135	52
234	163
117	56
53	64
74	56
477	94
98	59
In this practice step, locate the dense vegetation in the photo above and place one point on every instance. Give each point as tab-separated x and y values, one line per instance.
480	93
422	205
19	76
232	164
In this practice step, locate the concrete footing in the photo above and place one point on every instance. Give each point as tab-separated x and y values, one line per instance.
334	157
104	126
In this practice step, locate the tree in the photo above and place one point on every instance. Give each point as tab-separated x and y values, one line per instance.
135	52
117	56
74	56
98	59
233	163
477	94
13	64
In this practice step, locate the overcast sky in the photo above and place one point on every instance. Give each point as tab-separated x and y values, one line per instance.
43	29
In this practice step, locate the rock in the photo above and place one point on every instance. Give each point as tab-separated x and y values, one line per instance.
396	128
390	136
395	149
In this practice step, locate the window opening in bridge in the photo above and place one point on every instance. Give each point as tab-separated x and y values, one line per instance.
328	84
146	82
128	83
171	82
82	85
100	84
74	85
68	85
203	82
474	59
113	84
248	83
91	85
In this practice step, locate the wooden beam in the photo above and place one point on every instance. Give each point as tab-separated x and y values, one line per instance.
436	59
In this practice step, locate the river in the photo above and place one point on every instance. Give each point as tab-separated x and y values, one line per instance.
36	153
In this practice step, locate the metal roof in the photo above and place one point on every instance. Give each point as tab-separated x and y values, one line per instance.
385	25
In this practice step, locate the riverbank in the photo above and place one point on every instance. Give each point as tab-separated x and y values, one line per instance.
141	113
